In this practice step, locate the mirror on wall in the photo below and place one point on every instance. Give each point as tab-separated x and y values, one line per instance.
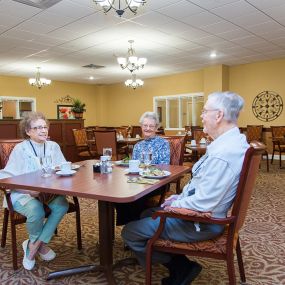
177	111
16	107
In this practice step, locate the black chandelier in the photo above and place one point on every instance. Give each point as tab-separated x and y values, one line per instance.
120	6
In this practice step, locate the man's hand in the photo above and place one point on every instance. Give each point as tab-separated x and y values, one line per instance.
169	200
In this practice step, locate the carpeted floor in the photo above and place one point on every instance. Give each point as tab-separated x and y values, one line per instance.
262	240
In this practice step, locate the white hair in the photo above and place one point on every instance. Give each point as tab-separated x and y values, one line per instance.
149	115
229	102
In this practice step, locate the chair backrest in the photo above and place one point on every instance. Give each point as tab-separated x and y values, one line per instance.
106	139
198	134
136	130
80	137
177	148
278	131
254	133
6	147
246	183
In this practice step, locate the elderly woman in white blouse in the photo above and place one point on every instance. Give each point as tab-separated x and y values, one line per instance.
24	159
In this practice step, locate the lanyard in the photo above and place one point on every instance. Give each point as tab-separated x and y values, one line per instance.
35	150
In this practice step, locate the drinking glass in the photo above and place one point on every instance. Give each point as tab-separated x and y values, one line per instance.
147	158
46	163
107	151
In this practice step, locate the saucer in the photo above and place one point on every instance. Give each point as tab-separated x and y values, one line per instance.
65	173
133	172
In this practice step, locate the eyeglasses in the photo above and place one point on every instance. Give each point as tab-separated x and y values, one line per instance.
152	127
205	111
40	128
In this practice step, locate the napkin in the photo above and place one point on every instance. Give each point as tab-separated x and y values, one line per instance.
141	180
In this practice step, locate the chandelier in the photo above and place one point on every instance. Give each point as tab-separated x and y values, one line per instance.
38	81
132	62
132	5
134	82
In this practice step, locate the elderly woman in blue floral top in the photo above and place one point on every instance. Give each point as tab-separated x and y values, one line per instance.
158	146
160	150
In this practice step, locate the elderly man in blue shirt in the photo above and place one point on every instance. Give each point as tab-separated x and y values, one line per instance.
212	188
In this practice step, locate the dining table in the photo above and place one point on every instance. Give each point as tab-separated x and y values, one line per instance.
198	150
107	189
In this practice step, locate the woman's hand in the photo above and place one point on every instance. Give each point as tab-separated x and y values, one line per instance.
169	200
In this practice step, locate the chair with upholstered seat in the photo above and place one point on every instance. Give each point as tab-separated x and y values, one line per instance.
278	141
105	139
83	145
223	246
254	133
6	147
136	130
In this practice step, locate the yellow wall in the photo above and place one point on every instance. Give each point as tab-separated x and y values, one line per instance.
124	106
115	104
46	97
248	80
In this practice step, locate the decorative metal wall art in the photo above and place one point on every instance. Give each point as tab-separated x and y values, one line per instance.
267	106
66	100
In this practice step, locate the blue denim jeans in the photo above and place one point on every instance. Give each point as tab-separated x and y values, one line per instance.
37	227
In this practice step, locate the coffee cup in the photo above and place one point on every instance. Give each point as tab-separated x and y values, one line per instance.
138	136
193	142
134	166
65	166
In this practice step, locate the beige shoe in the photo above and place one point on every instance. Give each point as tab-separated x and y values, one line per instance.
27	263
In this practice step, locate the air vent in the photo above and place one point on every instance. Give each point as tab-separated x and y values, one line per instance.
93	66
42	4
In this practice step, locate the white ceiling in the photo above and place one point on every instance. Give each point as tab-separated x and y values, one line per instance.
175	36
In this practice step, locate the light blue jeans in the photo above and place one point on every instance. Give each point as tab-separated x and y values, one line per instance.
37	227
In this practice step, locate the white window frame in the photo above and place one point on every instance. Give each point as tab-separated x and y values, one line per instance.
17	100
179	97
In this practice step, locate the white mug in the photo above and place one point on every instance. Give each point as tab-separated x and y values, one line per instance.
65	166
134	165
193	142
138	136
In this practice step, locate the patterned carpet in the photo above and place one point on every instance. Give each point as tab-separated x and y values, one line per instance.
262	240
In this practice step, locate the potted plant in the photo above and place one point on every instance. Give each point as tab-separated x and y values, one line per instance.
78	108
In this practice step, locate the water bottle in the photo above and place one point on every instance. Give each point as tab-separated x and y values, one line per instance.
104	164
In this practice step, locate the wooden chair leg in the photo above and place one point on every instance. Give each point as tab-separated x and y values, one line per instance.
267	161
280	158
14	245
148	272
240	262
231	269
5	227
272	155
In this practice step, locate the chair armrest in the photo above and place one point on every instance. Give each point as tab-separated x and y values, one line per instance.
191	215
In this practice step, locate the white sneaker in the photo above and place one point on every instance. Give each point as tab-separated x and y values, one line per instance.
27	263
50	255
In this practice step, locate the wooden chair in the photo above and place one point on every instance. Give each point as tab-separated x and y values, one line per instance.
136	130
278	141
106	139
254	133
222	247
6	147
83	145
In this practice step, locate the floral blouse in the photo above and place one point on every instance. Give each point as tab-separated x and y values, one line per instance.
158	146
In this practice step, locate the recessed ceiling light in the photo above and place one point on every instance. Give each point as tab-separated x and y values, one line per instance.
213	54
91	77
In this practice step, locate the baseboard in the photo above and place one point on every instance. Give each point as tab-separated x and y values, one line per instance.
276	156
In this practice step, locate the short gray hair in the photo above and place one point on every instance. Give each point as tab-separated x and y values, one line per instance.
149	115
229	102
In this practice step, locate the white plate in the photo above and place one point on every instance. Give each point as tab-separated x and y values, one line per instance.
73	167
131	172
63	173
166	173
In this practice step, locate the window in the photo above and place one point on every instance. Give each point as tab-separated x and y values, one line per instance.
16	107
178	111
